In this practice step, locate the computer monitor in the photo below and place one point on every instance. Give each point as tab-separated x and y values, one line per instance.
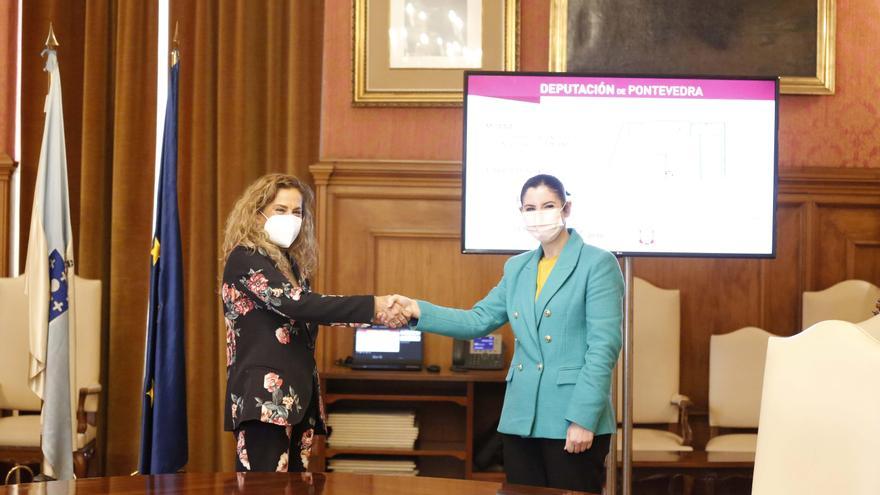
386	348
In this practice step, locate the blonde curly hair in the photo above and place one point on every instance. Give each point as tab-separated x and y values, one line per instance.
243	229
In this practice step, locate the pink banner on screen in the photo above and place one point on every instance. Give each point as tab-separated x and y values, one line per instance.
532	88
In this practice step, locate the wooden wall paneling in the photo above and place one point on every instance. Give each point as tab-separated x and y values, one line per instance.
809	241
356	217
393	227
847	243
7	167
430	266
321	173
783	278
842	206
863	259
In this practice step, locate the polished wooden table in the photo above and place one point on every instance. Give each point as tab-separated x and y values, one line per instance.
286	483
696	472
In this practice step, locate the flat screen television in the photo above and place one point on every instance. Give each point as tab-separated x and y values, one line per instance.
654	165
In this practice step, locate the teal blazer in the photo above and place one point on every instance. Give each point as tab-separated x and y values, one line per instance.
566	343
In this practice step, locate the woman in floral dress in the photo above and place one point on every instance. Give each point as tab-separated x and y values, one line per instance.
273	402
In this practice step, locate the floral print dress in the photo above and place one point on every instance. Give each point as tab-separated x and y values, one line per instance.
271	329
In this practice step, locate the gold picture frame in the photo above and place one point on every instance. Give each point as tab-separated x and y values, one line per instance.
820	83
376	83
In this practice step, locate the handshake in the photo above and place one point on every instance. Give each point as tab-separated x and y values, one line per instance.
395	310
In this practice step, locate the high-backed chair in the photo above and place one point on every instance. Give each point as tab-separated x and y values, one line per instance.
736	373
819	431
20	431
872	326
88	370
850	300
656	398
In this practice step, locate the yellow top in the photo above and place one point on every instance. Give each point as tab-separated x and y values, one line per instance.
545	266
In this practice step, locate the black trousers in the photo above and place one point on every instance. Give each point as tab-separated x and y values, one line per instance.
544	462
268	447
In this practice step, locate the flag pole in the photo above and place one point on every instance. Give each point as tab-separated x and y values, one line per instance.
51	40
50	287
175	46
164	445
51	44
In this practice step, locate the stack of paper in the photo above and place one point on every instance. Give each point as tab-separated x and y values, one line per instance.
369	466
373	429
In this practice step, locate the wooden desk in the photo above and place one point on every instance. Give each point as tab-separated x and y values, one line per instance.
288	483
697	472
454	411
445	375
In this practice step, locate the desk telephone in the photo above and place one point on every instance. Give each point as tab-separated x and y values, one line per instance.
482	353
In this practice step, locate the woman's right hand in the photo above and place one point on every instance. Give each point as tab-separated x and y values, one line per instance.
409	307
387	313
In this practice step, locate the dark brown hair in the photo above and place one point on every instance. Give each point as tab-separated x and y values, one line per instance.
551	182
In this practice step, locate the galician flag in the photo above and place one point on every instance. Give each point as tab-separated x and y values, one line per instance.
49	287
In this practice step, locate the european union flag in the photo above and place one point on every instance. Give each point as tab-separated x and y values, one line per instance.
163	433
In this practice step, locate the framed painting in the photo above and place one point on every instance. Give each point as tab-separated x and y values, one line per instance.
414	52
793	39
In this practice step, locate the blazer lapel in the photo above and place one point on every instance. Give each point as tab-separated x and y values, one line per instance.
527	297
561	271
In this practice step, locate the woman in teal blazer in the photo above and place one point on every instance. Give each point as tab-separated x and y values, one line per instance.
564	303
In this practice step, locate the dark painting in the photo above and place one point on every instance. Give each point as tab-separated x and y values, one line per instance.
712	37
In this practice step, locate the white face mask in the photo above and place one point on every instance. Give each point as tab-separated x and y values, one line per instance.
282	229
544	225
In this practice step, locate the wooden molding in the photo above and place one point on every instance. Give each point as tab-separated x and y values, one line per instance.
428	173
856	183
399	172
7	167
321	173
